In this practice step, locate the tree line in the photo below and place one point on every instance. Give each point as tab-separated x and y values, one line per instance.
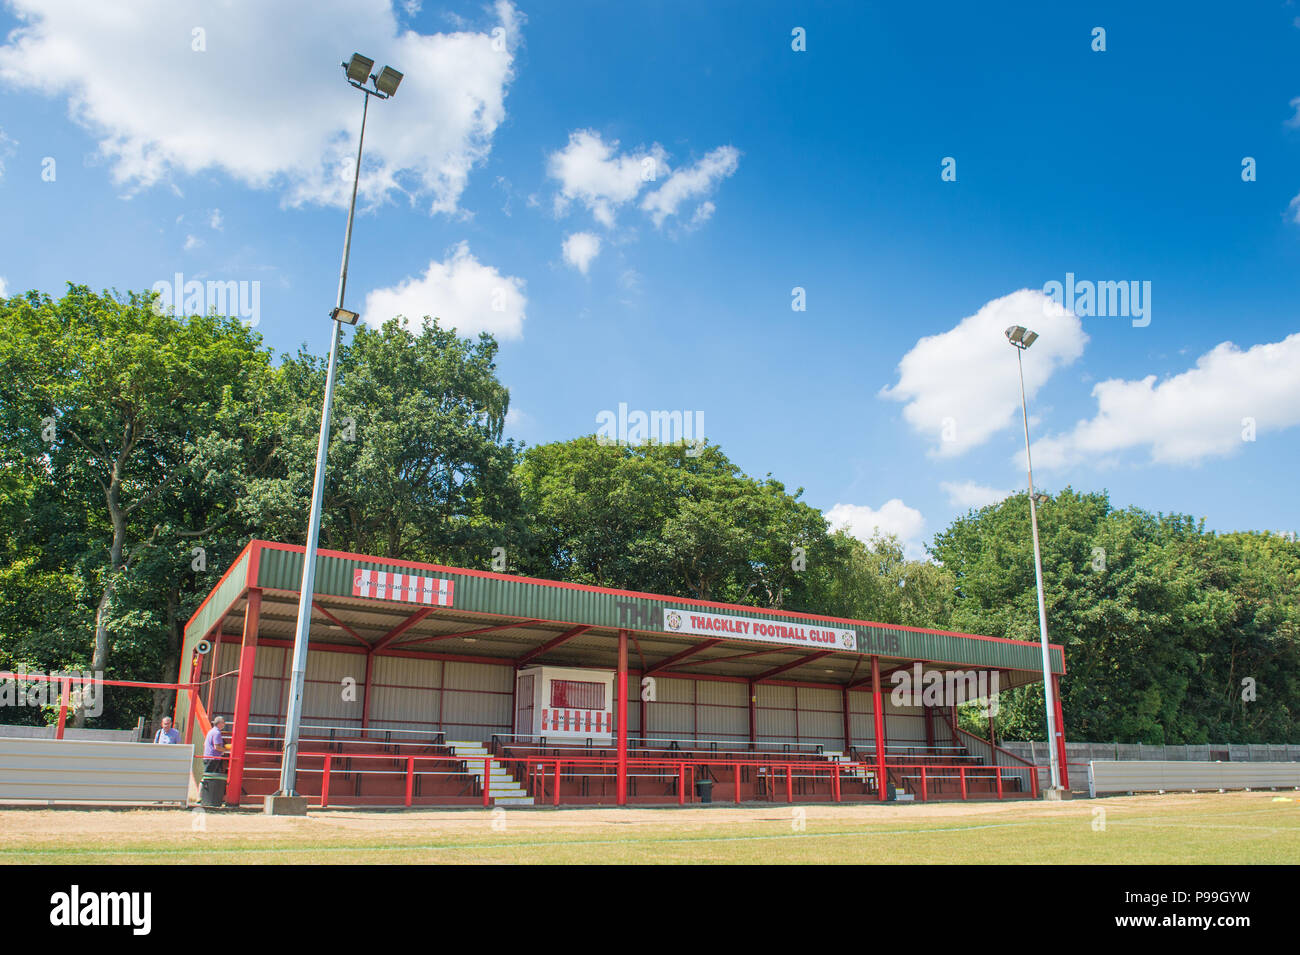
140	451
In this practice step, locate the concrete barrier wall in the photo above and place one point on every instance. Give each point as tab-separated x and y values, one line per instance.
1130	775
1036	752
94	771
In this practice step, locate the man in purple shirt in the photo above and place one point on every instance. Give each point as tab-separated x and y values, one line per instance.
214	747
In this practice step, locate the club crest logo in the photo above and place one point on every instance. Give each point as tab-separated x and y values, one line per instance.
673	620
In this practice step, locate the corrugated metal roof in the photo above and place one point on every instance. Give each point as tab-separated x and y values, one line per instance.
483	600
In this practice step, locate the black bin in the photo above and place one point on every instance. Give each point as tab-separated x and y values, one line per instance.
704	789
212	790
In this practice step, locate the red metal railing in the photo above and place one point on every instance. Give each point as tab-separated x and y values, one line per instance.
543	777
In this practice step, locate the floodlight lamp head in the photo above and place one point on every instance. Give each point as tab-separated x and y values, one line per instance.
358	68
387	81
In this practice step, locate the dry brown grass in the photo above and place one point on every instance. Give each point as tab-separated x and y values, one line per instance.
1220	828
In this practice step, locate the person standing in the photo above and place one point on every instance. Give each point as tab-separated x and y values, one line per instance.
167	734
214	746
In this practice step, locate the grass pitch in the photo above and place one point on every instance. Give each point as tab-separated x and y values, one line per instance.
1260	827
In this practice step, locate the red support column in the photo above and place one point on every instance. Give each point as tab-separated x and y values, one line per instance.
65	691
929	726
243	697
621	690
753	716
993	740
193	715
878	710
1060	730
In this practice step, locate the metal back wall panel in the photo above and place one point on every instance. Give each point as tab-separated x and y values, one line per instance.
776	719
406	693
85	771
903	724
1119	776
670	721
821	717
672	715
674	690
722	710
281	569
269	687
476	701
223	695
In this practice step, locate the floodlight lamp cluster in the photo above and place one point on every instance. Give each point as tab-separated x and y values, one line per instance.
358	72
1020	336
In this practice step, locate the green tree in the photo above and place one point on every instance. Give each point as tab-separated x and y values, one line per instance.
418	467
124	409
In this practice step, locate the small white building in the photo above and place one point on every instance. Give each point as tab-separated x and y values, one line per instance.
564	703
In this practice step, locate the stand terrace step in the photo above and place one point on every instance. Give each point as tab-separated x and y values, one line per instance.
504	790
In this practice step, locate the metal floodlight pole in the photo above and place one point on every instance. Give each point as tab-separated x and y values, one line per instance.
1038	574
307	588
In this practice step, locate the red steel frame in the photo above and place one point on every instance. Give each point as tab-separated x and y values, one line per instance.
250	643
622	717
243	696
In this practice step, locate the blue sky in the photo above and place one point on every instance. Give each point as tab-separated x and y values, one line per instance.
891	399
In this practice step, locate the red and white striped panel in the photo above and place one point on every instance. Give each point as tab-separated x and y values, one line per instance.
576	721
409	588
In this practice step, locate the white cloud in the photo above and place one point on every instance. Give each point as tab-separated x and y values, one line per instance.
186	110
4	287
594	173
968	494
192	242
703	213
1192	416
690	183
580	249
214	220
893	517
462	293
961	386
590	171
